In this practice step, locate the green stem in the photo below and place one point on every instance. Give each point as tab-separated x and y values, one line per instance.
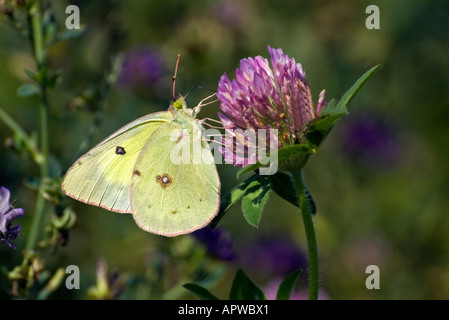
34	232
39	54
310	235
43	108
14	126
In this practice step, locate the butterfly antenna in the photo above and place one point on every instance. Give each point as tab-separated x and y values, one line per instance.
174	78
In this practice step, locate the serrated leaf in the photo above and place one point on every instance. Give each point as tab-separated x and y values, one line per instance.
200	291
286	286
255	199
284	186
280	154
231	198
27	90
244	289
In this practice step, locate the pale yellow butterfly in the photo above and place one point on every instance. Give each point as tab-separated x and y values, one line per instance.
131	171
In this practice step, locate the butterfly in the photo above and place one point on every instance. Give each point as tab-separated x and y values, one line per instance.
132	171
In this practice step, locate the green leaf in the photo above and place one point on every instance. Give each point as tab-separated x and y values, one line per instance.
286	286
70	34
33	75
244	289
281	155
27	90
200	291
231	199
341	106
283	185
255	199
333	111
347	97
52	80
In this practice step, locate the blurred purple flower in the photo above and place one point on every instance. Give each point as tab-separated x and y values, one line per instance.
141	68
108	286
372	140
264	97
218	243
7	215
273	257
232	13
272	287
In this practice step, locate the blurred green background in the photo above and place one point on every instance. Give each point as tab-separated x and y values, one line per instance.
380	181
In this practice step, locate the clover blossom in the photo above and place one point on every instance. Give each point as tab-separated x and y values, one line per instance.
7	214
265	98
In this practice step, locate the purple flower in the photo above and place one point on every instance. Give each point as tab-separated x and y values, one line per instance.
232	13
372	140
108	286
273	257
264	97
272	287
7	214
141	68
218	243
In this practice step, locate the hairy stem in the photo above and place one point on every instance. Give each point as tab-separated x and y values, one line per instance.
310	235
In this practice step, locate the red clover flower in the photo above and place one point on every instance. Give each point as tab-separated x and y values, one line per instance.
261	99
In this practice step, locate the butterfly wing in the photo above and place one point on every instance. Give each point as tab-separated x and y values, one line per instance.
171	198
102	176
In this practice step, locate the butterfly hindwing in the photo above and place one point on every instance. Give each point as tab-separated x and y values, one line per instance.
172	198
103	175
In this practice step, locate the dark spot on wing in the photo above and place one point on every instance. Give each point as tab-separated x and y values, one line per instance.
201	199
174	211
137	173
164	180
120	150
188	207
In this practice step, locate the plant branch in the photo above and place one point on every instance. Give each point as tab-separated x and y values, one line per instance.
35	18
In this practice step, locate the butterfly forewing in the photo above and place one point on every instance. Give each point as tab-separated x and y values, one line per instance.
103	175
